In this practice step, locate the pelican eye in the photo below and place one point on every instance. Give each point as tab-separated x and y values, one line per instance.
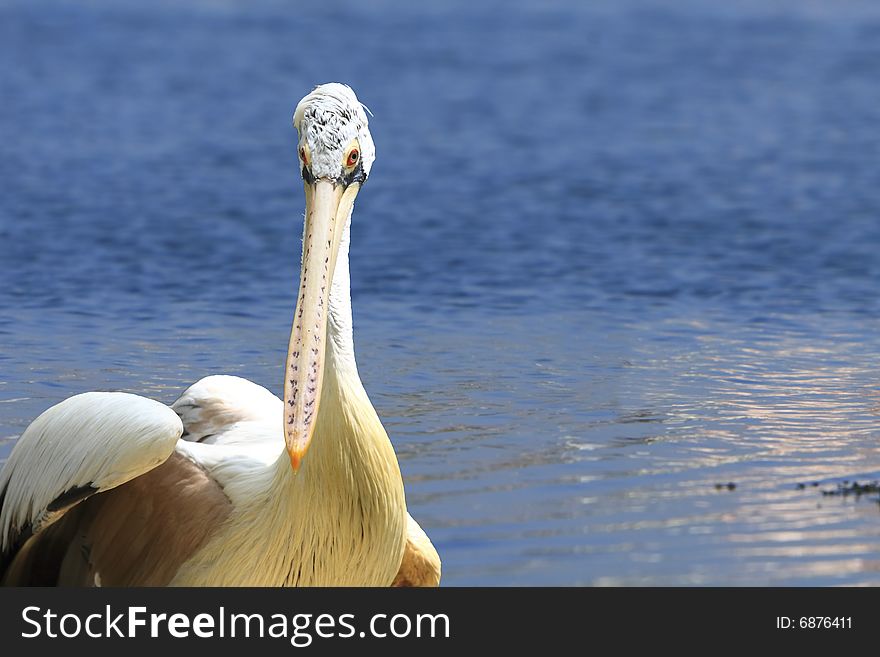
353	157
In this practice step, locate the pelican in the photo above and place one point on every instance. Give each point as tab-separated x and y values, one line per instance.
232	486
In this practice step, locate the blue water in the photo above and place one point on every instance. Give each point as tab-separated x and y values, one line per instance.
611	255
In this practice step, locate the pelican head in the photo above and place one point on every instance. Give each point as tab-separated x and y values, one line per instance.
335	154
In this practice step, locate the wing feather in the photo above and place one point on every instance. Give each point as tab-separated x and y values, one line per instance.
421	563
86	444
228	410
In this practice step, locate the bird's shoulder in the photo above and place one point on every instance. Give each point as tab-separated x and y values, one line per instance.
223	409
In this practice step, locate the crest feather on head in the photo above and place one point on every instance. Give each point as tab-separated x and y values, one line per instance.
328	119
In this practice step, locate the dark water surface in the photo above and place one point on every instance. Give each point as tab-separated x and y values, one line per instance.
611	255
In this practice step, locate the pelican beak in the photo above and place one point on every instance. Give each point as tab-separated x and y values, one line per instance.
328	206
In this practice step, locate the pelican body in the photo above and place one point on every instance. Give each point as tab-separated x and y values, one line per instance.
232	486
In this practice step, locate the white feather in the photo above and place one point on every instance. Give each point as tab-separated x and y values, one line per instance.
328	120
226	410
98	439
